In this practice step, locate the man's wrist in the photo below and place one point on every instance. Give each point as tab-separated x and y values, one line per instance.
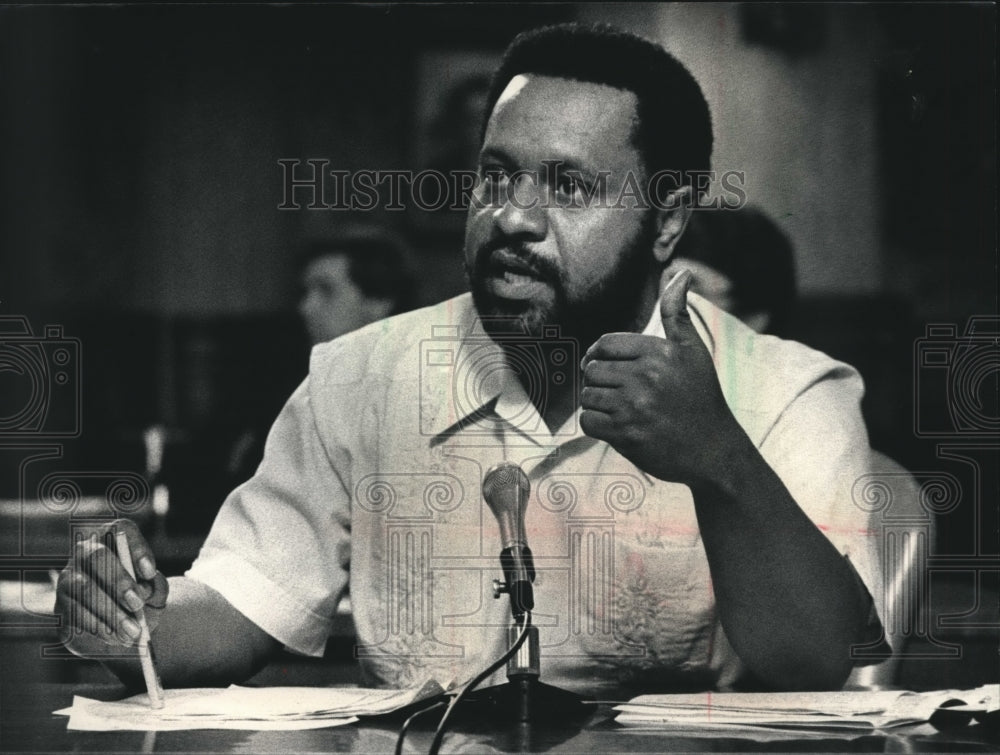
725	466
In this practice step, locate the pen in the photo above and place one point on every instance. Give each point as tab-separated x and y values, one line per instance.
153	686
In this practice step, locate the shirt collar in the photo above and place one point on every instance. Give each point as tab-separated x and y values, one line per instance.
478	386
471	383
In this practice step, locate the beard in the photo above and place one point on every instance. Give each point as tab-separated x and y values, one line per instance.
612	304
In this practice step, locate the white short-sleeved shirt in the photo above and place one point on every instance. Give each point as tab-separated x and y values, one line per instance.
372	476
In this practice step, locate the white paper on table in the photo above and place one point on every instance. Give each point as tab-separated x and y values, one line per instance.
253	708
757	732
843	711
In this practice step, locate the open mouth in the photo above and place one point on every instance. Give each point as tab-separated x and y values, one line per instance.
511	277
506	265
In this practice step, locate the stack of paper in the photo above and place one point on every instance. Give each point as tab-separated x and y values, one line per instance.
844	711
257	708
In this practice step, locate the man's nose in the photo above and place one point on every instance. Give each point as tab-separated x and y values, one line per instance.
522	211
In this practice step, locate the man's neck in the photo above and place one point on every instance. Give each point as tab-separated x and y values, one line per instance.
559	395
549	373
561	401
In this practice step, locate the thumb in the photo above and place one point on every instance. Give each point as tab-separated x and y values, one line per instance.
673	304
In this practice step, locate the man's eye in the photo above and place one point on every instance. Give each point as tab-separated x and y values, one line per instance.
492	183
568	185
492	173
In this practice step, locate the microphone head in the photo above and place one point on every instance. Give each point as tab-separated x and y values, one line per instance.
504	476
505	489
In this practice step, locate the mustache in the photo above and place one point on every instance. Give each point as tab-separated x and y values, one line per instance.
501	254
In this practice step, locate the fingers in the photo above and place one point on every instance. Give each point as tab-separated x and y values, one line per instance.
603	374
617	346
158	595
595	398
597	424
142	555
88	610
96	595
673	304
95	558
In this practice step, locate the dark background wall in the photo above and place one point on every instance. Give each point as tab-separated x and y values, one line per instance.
141	185
140	182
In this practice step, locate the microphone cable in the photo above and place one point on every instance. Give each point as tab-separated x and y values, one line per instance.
410	720
475	682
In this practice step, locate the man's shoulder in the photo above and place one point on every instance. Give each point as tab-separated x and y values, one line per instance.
762	375
736	345
382	346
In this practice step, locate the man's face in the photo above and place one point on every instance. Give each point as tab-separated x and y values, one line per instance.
529	252
331	303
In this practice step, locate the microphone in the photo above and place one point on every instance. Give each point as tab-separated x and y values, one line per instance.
506	489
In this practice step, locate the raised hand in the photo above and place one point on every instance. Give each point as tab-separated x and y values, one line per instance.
657	401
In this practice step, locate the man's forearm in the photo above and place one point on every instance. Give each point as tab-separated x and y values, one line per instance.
786	597
201	640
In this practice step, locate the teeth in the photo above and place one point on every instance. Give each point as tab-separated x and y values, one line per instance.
512	277
513	267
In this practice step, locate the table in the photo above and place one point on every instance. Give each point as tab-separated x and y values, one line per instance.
27	725
35	680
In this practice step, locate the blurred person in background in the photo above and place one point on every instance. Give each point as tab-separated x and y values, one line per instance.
350	279
355	278
741	261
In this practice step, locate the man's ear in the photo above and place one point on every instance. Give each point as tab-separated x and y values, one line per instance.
671	221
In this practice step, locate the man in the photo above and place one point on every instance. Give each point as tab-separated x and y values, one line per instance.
361	276
681	467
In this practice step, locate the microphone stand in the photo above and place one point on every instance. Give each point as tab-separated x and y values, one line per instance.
524	698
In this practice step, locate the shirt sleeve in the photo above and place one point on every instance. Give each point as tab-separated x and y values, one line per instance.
819	448
279	548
